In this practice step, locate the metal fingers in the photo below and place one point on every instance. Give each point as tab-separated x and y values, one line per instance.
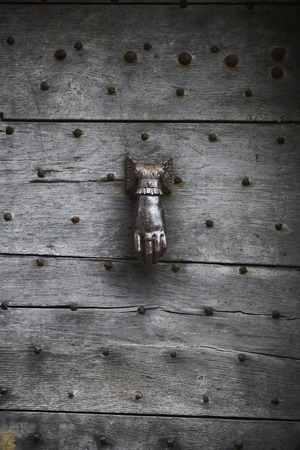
150	247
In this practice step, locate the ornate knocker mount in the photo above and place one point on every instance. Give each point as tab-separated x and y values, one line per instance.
149	178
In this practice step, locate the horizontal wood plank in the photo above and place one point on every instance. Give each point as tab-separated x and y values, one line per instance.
146	89
91	431
212	172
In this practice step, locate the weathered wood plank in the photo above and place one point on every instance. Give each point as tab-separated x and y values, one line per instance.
146	89
244	217
181	3
87	431
87	283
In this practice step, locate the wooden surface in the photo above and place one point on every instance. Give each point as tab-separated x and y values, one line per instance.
146	89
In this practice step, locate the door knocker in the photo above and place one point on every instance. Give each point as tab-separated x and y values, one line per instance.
149	178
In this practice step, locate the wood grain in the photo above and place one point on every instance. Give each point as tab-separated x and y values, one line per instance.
86	431
146	89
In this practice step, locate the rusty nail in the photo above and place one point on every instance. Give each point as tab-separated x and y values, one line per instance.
243	270
183	3
145	136
71	394
130	57
171	443
37	436
246	181
110	176
278	226
208	310
3	391
209	223
41	173
212	137
275	314
78	45
281	140
184	58
73	306
138	395
275	400
105	351
278	53
177	179
108	265
277	72
141	309
248	93
205	398
77	133
75	219
44	85
250	6
60	54
38	349
173	354
10	40
111	90
231	61
9	130
7	217
40	262
214	49
238	445
242	357
103	440
147	46
4	305
180	92
175	268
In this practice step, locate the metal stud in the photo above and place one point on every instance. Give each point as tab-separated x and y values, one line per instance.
75	219
110	176
248	93
10	40
243	270
171	443
41	173
275	314
9	130
7	217
231	61
141	310
3	390
73	306
60	54
78	45
147	46
77	133
108	265
44	86
281	140
278	226
145	136
177	179
105	351
278	53
138	395
185	58
4	305
38	349
275	400
173	354
208	310
245	182
241	357
212	137
276	73
209	223
205	398
40	262
214	49
37	436
180	92
175	268
130	57
111	90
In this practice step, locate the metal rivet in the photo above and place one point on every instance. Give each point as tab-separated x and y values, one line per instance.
37	436
71	394
141	310
111	90
44	86
275	314
138	395
231	61
281	140
241	357
278	53
103	440
214	49
78	45
278	226
185	58
212	137
183	3
180	92
4	305
110	176
73	306
108	265
209	223
147	46
40	262
177	179
238	445
243	270
208	310
175	268
7	217
277	72
105	351
245	182
41	173
9	130
275	400
145	136
10	40
250	6
130	57
248	93
75	219
173	354
171	443
3	391
77	133
60	54
205	399
38	349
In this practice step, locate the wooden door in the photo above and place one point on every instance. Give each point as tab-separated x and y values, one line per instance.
202	350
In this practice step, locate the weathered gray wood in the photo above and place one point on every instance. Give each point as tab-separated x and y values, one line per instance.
87	283
244	217
147	88
150	2
84	431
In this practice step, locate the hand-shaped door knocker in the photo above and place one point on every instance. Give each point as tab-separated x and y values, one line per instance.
149	178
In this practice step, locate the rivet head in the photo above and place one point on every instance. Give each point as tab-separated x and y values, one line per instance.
175	268
275	400
141	310
73	306
281	140
78	45
71	394
60	54
245	182
183	4
77	133
173	354
105	351
278	226
248	93
75	219
10	40
111	90
231	61
44	86
138	395
180	92
205	398
145	136
110	177
243	270
38	349
238	445
7	217
214	49
171	443
212	137
37	436
276	72
41	173
278	53
108	265
241	357
147	46
4	305
9	130
208	310
177	179
275	314
184	58
209	223
130	57
103	440
3	391
40	262
250	6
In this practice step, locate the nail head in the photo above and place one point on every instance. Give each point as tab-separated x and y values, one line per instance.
281	140
147	46
111	90
44	86
208	310
205	398
278	226
212	137
177	179
110	176
75	219
78	45
248	93
77	133
73	306
175	268
60	54
141	310
276	72
40	262
7	217
41	173
145	136
231	61
275	400
275	314
105	351
3	391
214	49
4	305
238	445
130	57
9	130
10	40
173	354
209	223
37	436
184	58
138	395
38	349
278	53
180	92
243	270
108	265
242	357
246	181
171	443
